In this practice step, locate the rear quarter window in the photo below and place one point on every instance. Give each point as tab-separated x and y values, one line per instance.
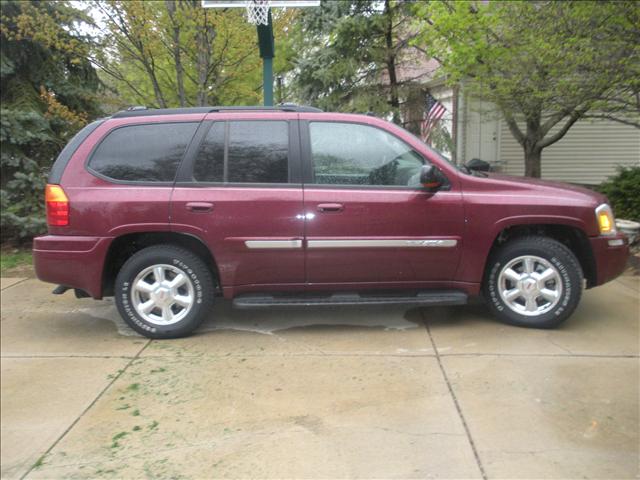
143	153
59	166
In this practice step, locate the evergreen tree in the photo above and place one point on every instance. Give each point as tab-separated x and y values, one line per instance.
350	53
48	92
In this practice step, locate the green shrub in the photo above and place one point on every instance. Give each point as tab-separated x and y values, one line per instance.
623	191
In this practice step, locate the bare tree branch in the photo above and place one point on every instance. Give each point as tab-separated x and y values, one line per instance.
573	118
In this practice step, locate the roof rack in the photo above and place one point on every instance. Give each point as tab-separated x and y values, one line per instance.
140	111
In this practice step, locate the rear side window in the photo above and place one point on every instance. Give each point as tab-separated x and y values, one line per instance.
143	153
209	164
254	152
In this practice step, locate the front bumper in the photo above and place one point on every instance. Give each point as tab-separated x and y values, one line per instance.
72	261
610	254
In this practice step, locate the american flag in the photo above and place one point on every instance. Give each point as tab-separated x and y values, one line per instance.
434	112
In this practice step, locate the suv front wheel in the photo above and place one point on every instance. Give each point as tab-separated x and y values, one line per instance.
164	291
533	282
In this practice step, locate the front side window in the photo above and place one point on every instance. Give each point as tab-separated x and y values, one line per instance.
354	154
255	152
143	153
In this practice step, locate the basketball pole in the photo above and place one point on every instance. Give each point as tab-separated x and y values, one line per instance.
266	42
266	45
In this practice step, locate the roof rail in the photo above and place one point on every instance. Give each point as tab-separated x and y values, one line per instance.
140	111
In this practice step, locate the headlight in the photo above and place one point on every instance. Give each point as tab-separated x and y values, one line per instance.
606	222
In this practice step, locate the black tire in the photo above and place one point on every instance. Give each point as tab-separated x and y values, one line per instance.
559	257
198	274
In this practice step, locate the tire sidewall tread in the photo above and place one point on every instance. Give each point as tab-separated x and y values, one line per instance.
559	256
181	258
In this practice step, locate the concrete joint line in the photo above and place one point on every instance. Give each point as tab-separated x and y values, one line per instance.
455	400
89	407
17	283
629	287
540	355
289	355
69	356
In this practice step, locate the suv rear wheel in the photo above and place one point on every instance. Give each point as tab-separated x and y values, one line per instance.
164	291
533	282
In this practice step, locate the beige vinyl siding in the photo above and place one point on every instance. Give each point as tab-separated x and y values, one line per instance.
588	154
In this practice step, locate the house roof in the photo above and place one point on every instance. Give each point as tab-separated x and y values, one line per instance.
413	66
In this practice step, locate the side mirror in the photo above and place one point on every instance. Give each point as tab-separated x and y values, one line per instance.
478	165
429	178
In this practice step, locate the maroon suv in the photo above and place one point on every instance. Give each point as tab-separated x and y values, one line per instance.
293	206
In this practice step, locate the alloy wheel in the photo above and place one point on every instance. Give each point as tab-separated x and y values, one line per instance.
530	285
162	294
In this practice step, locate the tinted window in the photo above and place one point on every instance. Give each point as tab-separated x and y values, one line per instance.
258	152
209	164
353	154
149	153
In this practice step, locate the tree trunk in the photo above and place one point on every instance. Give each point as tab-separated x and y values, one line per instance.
149	67
177	57
413	111
149	64
532	162
203	41
394	101
202	67
530	141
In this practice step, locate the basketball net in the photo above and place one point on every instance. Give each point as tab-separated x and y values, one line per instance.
258	12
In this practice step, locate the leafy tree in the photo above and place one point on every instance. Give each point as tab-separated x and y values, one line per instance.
351	52
176	53
48	91
545	65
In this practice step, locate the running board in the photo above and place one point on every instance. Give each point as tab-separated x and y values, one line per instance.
431	297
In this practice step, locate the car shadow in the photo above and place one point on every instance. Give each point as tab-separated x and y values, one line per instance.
224	317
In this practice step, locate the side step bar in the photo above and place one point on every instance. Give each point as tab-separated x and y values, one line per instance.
431	297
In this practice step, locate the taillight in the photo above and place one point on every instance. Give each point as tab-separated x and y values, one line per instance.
57	206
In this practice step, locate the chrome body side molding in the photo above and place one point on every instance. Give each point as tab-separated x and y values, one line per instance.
408	243
273	244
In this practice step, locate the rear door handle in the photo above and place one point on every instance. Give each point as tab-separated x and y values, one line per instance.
330	207
199	207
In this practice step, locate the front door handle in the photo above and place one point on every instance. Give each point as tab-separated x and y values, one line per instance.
330	207
199	207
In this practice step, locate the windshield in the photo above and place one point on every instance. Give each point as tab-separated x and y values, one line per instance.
440	155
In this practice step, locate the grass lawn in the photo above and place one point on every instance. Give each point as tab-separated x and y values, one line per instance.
14	260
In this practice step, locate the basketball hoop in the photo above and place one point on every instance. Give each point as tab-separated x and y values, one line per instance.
258	12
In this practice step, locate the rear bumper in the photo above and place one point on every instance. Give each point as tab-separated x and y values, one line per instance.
73	261
610	255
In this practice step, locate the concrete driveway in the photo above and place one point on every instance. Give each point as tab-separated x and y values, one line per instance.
318	393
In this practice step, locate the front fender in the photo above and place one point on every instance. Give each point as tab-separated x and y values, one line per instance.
480	238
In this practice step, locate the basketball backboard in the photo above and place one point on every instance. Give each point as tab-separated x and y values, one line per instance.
272	3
